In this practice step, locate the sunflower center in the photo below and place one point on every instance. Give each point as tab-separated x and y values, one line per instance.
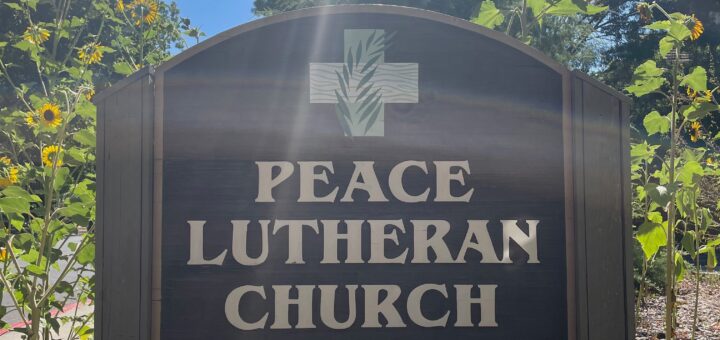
49	115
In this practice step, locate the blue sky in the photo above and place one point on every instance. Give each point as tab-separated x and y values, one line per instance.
215	16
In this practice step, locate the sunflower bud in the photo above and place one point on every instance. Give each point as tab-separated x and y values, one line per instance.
643	9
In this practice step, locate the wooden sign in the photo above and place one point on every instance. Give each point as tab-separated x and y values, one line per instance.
363	172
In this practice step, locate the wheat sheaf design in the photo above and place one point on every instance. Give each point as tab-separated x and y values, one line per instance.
360	101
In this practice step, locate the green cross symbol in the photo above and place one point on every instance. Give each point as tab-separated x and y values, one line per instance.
362	84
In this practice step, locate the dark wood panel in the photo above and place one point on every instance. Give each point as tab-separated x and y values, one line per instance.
100	217
603	215
124	285
146	207
226	108
579	205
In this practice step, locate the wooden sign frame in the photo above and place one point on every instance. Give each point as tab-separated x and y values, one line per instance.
130	176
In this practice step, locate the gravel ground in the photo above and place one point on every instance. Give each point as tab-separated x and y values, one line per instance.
652	314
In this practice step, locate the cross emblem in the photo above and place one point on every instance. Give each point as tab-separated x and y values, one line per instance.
362	84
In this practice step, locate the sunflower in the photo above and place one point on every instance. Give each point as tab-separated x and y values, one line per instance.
36	35
697	28
143	10
30	120
3	254
91	53
696	133
691	93
49	115
89	94
710	161
12	173
50	153
121	4
643	9
708	97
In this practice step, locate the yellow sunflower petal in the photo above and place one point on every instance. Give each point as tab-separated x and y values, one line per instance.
36	35
91	53
697	29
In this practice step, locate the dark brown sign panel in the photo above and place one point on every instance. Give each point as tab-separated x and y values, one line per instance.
373	172
298	207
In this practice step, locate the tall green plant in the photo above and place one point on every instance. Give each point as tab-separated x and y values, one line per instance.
668	167
51	66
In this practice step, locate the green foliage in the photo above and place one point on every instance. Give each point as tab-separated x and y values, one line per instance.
667	172
53	55
489	16
647	78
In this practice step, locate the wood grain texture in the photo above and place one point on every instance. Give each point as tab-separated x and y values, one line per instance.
604	215
124	177
579	207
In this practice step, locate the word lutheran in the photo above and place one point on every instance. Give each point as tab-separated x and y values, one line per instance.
424	237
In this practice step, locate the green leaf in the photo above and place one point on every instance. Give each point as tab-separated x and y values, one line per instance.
646	79
698	110
688	243
688	171
15	191
679	31
642	152
711	258
593	9
537	6
658	194
74	209
655	217
123	68
660	25
86	254
697	79
35	270
489	16
572	7
656	123
61	175
13	6
684	201
32	3
85	137
651	236
17	205
679	267
24	45
666	45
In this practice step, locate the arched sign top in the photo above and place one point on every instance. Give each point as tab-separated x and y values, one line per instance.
364	9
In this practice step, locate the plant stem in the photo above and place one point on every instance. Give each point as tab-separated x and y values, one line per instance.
670	260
